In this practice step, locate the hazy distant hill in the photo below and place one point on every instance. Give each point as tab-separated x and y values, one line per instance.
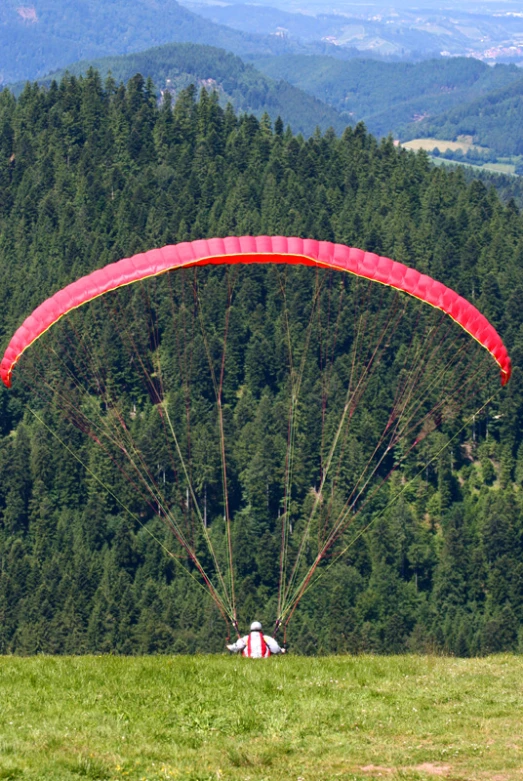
400	31
175	66
264	19
37	39
379	37
388	96
494	120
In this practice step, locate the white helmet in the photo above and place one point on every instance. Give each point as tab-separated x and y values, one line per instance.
256	626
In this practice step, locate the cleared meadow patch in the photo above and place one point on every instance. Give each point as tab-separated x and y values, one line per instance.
430	144
497	168
202	718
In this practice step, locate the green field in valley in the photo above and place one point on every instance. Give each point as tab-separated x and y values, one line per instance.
495	168
464	144
202	718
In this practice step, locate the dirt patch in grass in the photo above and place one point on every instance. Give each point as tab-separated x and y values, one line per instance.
429	768
432	770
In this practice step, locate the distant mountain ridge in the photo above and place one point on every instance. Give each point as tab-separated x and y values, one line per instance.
400	32
36	41
375	36
175	66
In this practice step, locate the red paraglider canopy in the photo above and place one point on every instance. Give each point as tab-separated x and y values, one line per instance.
256	249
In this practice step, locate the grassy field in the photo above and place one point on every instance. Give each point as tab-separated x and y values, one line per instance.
203	718
497	168
463	143
429	144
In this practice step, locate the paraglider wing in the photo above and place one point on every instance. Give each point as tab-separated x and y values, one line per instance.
256	249
370	372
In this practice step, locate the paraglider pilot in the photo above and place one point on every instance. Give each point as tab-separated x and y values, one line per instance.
256	645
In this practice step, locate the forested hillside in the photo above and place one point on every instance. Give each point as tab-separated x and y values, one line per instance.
389	96
508	187
176	66
494	120
93	172
36	41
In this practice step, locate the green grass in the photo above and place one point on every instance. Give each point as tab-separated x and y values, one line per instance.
203	718
497	168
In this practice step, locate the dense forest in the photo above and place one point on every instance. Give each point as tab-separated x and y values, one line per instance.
178	65
91	172
508	187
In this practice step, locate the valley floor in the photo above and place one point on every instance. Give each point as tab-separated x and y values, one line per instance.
202	718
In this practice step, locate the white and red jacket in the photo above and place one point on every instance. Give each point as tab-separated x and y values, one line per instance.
256	645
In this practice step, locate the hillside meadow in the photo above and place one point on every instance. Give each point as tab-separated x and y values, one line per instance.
430	144
214	717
